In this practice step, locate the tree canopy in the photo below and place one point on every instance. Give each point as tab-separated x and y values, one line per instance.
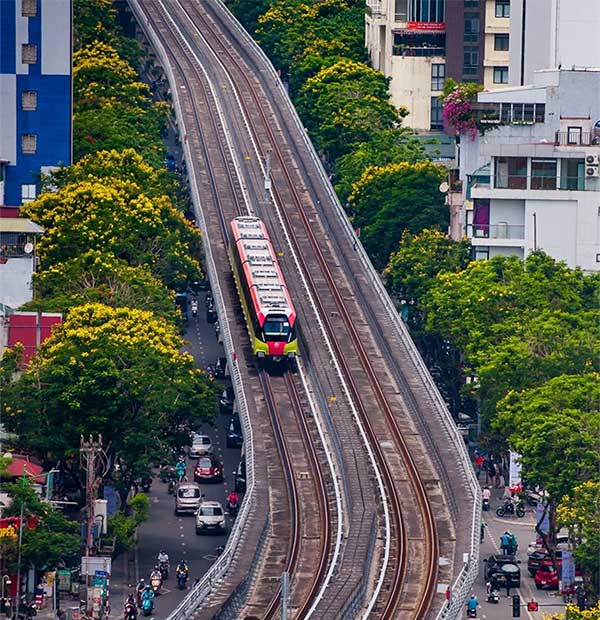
119	219
115	371
388	200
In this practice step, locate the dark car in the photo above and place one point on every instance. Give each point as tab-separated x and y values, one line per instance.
240	477
227	399
208	469
235	438
541	558
503	567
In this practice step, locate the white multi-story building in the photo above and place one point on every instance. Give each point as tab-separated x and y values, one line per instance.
548	34
533	180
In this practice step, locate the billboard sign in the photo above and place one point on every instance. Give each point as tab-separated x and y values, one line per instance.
429	26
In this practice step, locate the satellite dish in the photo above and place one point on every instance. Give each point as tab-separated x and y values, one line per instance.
28	247
444	187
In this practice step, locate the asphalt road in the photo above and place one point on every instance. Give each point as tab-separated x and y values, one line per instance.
176	535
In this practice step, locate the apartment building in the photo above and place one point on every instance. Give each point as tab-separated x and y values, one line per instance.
547	34
420	43
533	180
35	94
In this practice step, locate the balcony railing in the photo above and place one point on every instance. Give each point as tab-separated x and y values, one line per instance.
405	50
518	181
15	250
576	138
502	230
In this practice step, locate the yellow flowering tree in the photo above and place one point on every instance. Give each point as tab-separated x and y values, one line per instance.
116	218
580	513
100	277
115	371
574	613
388	200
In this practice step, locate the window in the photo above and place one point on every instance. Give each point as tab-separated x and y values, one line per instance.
543	174
540	112
572	173
481	253
29	8
500	75
510	173
438	75
574	135
29	100
471	4
401	10
29	54
502	8
470	60
29	143
427	10
471	33
501	42
28	193
436	114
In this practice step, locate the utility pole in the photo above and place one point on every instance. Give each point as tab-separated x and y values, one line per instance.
91	456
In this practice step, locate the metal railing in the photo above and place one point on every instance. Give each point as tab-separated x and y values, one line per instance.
217	571
535	182
461	587
576	138
502	230
422	51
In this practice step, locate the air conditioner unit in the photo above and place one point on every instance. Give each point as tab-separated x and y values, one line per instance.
592	171
592	160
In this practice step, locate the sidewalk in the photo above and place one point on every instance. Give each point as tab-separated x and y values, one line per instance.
524	529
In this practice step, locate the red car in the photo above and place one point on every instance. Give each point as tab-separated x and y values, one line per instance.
547	577
208	469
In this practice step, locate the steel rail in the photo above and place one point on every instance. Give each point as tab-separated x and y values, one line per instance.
420	491
323	503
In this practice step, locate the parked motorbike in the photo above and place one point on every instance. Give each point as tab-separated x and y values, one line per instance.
493	597
146	483
26	611
181	579
171	486
510	508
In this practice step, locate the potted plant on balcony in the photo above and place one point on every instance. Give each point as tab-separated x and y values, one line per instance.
457	112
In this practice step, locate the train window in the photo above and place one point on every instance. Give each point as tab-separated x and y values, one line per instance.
276	328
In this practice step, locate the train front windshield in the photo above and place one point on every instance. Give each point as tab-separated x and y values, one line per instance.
277	328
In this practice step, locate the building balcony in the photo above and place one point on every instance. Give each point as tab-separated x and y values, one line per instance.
576	138
500	231
404	50
544	183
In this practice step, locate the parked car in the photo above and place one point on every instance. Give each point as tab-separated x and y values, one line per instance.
201	446
235	437
547	577
210	517
240	477
226	401
506	566
208	469
188	497
540	558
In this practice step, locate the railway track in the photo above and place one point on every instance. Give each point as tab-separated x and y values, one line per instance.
307	247
301	493
382	401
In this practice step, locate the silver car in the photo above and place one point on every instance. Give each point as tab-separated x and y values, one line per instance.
210	518
188	497
201	446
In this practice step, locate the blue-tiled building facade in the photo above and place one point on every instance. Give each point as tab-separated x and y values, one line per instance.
35	93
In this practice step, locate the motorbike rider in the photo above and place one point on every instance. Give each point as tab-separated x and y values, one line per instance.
472	605
138	591
182	567
163	557
156	574
194	307
233	499
130	608
485	498
148	595
180	469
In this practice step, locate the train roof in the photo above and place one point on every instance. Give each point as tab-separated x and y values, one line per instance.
261	268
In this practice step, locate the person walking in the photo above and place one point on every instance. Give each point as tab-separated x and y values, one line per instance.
497	474
512	543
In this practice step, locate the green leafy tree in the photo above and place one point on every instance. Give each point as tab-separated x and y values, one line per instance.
54	536
117	219
388	200
97	21
123	527
115	371
345	104
98	277
580	513
248	12
555	428
389	146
